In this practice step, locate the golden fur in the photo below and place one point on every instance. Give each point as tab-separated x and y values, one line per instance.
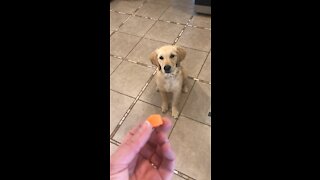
173	81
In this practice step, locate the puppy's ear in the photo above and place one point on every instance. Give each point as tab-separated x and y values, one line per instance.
181	54
154	59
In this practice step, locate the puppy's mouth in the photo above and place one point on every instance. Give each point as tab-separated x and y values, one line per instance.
167	71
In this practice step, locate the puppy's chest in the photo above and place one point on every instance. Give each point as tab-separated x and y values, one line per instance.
170	84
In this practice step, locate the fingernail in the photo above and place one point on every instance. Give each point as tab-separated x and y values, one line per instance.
147	124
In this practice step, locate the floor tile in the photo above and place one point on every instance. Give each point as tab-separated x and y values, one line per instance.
151	96
152	10
176	177
121	44
119	104
193	61
131	27
186	3
198	104
116	19
114	62
130	78
164	32
177	14
165	2
205	73
191	142
127	6
113	148
140	112
143	50
195	38
201	21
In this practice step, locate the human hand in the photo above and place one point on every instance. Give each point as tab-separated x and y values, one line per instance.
145	154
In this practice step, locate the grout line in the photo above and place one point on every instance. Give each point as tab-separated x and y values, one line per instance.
135	62
136	15
116	68
200	80
122	94
184	28
199	27
182	175
182	115
149	103
115	142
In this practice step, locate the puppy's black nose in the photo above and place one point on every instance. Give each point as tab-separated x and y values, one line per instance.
167	68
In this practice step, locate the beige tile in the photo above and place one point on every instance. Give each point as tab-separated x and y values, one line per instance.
193	61
176	177
185	3
113	148
137	26
116	19
140	112
205	73
195	38
201	21
126	6
191	142
114	62
111	32
130	78
165	2
198	104
151	96
177	14
119	104
164	32
152	10
121	44
143	49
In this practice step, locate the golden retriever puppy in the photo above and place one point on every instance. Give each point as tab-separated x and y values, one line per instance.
170	77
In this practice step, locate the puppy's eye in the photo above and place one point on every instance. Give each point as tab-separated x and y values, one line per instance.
161	57
172	56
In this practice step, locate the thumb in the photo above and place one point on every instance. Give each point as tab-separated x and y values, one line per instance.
133	144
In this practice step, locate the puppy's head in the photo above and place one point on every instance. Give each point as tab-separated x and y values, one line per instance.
167	58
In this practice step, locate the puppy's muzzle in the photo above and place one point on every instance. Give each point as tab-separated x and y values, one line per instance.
167	68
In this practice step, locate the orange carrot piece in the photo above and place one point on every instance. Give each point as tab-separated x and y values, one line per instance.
155	120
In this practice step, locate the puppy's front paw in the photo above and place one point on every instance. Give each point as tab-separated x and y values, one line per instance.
175	112
185	89
164	107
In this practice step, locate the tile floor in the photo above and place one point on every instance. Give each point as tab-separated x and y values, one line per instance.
137	27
